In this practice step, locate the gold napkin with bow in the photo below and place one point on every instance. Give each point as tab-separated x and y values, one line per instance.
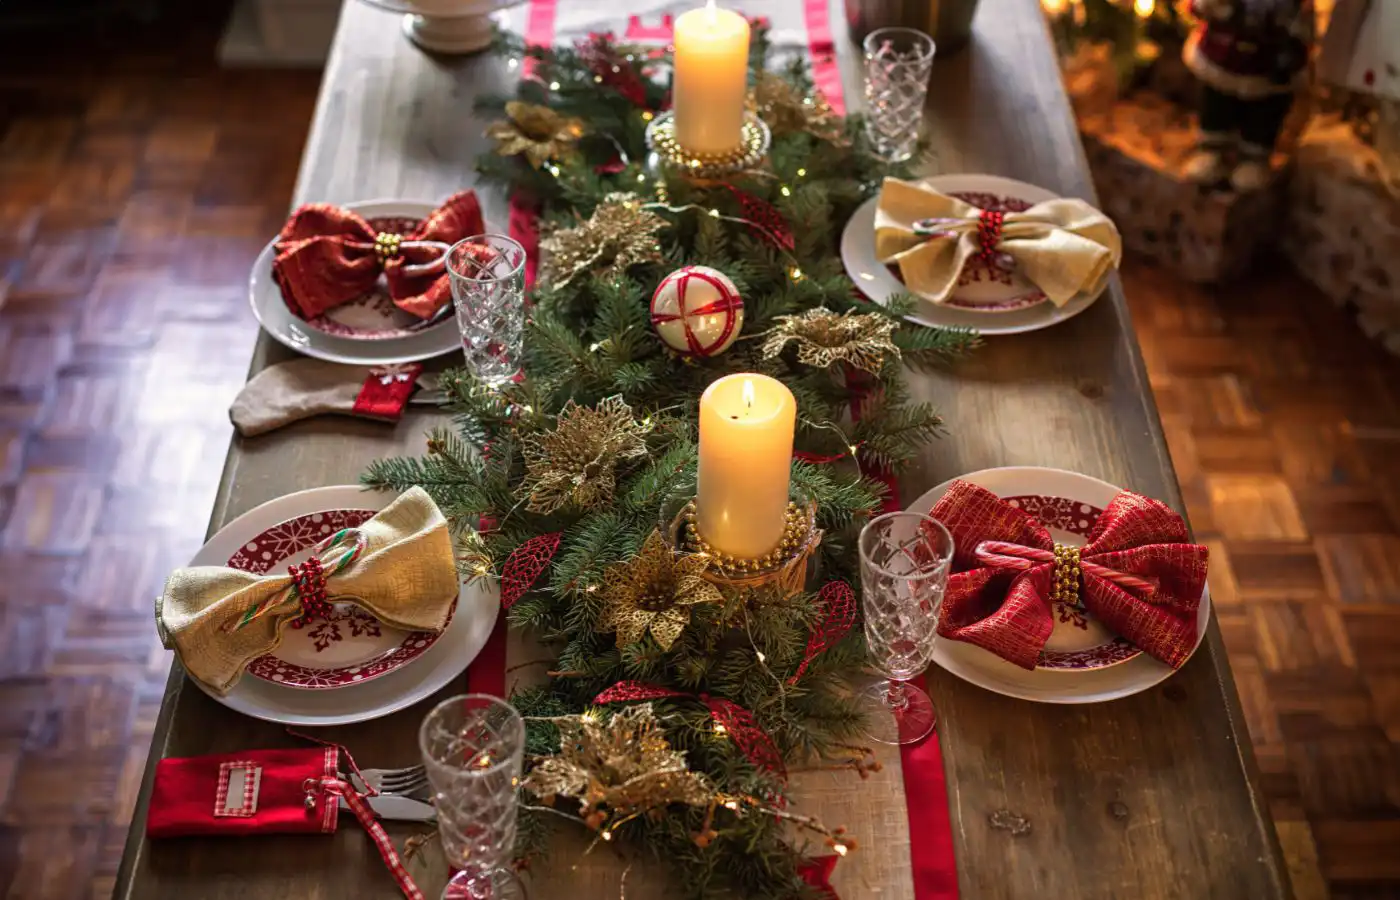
405	575
1064	247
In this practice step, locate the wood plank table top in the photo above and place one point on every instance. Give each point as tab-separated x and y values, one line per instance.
1153	796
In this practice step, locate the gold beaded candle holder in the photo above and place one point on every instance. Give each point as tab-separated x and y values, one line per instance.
784	568
755	139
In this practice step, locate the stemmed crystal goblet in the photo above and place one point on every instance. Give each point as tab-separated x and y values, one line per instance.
473	746
904	562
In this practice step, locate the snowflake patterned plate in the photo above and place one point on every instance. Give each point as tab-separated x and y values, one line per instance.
370	330
1083	662
395	669
987	299
347	648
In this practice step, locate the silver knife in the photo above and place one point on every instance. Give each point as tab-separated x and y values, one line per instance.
398	808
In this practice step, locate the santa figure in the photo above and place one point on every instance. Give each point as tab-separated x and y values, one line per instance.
1250	56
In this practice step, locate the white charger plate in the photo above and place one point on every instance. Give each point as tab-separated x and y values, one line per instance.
286	328
478	604
877	282
987	670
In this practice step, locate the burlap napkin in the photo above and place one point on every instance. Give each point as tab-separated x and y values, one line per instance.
1064	247
406	577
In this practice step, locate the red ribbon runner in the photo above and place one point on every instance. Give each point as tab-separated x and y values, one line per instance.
327	256
525	564
757	747
817	872
839	603
1140	576
826	72
921	764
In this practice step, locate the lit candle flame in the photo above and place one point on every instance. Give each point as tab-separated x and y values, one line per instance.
713	11
748	394
1144	8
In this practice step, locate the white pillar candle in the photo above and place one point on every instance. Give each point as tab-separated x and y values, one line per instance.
746	427
711	79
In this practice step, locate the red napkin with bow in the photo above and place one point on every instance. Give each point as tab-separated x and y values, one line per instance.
1139	574
327	256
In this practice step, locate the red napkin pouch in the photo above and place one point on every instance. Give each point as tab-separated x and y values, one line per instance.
252	792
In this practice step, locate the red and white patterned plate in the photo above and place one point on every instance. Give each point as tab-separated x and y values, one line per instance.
1082	662
370	331
477	609
348	648
987	299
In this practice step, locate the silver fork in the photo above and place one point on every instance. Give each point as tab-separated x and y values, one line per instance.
409	781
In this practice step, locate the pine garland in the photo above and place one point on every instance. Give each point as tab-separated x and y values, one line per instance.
592	340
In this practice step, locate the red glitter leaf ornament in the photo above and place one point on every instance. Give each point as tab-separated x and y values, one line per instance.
610	66
525	564
764	219
757	747
633	691
839	603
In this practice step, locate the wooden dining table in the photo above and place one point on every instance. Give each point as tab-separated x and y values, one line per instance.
1151	796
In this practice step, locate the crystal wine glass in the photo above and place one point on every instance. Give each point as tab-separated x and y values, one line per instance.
904	561
898	62
487	273
473	746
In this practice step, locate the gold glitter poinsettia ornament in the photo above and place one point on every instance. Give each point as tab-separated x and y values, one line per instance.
824	338
538	132
618	235
619	767
654	592
576	463
787	110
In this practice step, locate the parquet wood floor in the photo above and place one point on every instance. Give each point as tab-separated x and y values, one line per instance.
1284	425
138	181
137	184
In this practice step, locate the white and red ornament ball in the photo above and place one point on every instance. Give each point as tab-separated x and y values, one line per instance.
697	311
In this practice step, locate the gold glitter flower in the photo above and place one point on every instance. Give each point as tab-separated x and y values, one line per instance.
575	464
654	591
824	338
619	767
780	103
620	234
536	131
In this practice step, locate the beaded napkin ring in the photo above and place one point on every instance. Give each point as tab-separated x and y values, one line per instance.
309	580
1066	588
